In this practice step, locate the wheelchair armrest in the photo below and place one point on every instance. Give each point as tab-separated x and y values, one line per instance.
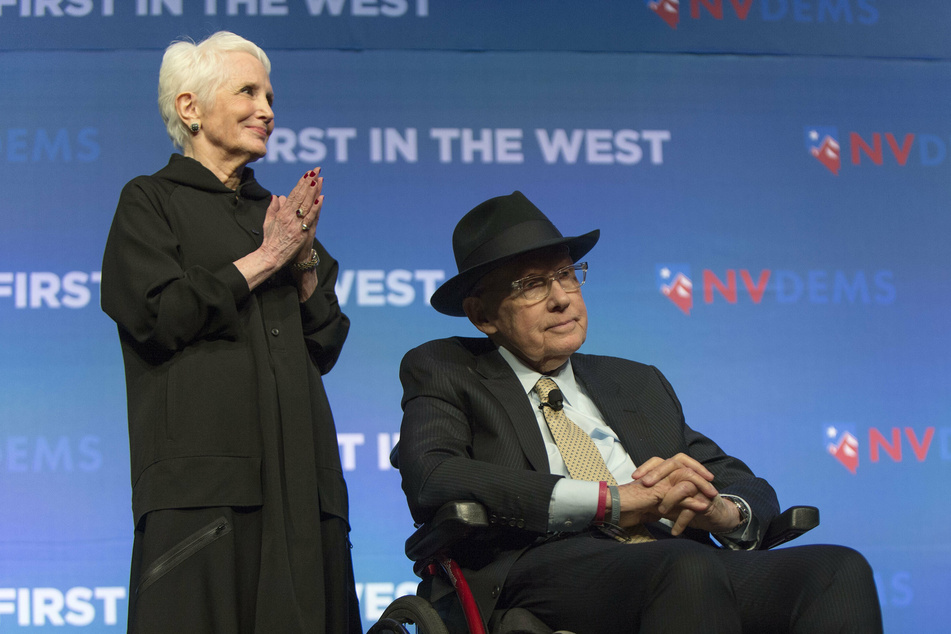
458	520
789	525
453	522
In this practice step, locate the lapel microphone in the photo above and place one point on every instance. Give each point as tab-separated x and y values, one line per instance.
555	401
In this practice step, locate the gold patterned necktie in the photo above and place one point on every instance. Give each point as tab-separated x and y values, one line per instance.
582	457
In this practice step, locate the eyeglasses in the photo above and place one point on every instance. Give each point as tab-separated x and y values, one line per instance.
535	288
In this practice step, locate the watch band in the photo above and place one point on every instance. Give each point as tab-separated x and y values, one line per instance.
307	264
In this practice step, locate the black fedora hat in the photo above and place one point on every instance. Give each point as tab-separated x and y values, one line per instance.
493	233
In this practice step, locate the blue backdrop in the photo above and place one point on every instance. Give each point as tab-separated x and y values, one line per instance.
771	180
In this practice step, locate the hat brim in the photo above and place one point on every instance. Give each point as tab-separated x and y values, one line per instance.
449	296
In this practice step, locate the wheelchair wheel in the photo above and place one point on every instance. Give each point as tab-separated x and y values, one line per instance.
407	615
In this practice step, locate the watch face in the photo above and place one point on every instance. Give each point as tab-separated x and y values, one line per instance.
742	508
744	511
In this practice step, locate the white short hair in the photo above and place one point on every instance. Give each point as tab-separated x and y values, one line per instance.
197	68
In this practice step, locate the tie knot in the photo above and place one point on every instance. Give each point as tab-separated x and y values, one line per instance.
543	387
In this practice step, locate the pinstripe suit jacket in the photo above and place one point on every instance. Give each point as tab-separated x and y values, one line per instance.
469	433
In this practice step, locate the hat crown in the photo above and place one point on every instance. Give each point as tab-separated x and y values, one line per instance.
499	227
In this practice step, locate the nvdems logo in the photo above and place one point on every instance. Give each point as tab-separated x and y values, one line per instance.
842	443
823	144
815	286
48	145
667	10
820	11
674	283
873	148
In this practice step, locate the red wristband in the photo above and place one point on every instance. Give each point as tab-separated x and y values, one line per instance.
602	503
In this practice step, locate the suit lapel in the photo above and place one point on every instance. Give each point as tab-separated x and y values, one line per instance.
618	406
500	380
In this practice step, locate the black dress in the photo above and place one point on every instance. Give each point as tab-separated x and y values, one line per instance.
228	418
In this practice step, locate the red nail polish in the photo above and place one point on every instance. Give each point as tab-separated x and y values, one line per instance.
312	183
316	200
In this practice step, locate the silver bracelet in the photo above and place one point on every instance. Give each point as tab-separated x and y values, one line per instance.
615	505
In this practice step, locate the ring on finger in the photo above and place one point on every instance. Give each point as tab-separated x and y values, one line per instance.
300	212
303	226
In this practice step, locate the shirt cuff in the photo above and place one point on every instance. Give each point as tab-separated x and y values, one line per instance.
573	505
746	536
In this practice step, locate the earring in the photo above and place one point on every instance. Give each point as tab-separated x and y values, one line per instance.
196	127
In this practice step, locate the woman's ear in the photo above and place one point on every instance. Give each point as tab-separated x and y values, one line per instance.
186	105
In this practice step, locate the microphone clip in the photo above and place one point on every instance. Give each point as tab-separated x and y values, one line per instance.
556	401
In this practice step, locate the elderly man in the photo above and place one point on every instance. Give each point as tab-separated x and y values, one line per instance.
603	498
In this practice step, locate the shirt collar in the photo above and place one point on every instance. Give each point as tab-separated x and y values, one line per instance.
564	376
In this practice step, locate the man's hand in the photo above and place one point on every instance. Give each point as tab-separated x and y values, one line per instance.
679	489
639	503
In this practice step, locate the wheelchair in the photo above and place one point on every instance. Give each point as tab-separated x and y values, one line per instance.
430	545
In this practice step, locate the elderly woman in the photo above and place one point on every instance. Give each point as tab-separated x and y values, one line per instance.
227	318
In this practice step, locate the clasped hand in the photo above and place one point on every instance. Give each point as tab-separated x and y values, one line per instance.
289	226
291	221
678	489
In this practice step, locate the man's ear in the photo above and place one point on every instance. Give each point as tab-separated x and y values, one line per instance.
475	311
186	105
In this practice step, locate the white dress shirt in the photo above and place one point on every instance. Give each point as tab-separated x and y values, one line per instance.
575	502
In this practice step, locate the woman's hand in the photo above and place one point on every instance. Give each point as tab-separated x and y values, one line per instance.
291	221
307	280
289	228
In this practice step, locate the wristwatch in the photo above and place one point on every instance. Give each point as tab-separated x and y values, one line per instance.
743	509
307	264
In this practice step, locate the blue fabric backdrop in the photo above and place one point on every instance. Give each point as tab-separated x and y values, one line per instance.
771	178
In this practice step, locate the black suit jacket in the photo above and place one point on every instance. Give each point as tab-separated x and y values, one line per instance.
469	433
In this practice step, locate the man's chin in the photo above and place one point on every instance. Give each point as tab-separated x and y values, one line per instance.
568	346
